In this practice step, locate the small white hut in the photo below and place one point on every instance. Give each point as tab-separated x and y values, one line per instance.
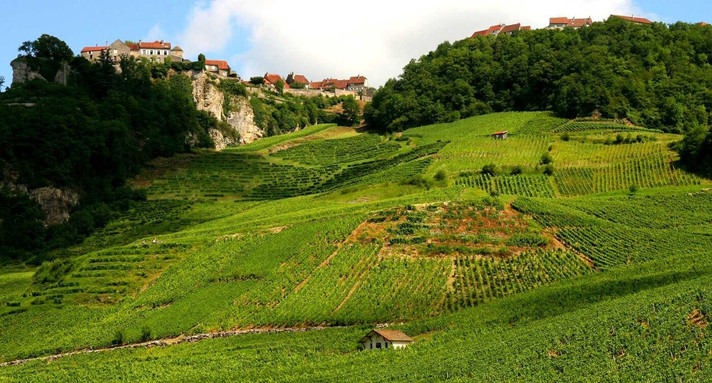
385	339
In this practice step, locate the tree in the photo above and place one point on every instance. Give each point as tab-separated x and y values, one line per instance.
47	47
201	58
2	82
279	85
257	80
351	114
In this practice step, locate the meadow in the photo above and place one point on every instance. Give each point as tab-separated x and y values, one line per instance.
581	251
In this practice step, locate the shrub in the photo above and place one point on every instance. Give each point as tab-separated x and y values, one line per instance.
516	170
490	169
546	159
549	170
441	175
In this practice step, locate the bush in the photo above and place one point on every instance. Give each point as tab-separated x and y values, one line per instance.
546	159
516	170
441	175
490	169
549	170
565	137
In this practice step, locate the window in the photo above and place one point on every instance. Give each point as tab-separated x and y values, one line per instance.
378	345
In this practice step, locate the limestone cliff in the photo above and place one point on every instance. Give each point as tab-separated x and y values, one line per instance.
56	203
22	72
238	114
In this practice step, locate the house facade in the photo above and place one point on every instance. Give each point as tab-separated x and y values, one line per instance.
156	51
383	339
357	84
219	67
93	53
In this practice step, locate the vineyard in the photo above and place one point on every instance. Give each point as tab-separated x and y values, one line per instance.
573	241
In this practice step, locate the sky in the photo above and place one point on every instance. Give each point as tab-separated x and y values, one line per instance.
317	38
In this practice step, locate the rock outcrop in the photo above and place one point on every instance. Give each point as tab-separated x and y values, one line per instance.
22	72
56	203
242	118
239	117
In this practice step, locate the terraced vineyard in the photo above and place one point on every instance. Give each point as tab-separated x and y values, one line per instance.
609	125
333	227
528	186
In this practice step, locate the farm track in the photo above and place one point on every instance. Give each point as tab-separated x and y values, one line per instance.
170	342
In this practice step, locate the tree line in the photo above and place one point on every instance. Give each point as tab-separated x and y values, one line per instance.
656	75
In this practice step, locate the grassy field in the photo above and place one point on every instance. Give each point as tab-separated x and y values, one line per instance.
583	254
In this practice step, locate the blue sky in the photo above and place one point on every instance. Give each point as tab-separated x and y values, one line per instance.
256	36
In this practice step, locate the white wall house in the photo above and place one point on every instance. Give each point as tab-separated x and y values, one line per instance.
378	339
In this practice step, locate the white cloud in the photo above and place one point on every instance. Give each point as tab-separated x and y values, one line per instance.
156	33
376	38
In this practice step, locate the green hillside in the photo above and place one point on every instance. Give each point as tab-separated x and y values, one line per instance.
571	250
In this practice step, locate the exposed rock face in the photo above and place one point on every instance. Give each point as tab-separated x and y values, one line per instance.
21	72
240	117
56	203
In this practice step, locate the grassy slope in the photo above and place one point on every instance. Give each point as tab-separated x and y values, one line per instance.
222	263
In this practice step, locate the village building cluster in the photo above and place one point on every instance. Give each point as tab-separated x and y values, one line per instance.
156	51
356	83
554	23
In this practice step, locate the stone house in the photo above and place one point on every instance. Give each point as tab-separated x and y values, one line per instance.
378	339
298	79
93	53
272	79
500	135
219	67
357	84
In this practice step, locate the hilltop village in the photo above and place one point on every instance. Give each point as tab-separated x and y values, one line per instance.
165	52
554	23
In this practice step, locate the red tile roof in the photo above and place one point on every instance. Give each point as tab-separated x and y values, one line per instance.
493	29
572	23
316	84
94	49
392	335
133	47
500	133
155	45
703	24
300	79
221	64
639	20
511	28
272	78
334	83
357	80
559	20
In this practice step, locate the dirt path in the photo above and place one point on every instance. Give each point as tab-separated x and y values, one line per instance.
169	342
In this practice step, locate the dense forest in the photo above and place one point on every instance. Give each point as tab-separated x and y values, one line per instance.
89	136
656	75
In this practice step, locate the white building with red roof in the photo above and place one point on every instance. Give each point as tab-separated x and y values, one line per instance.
565	22
219	67
380	339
